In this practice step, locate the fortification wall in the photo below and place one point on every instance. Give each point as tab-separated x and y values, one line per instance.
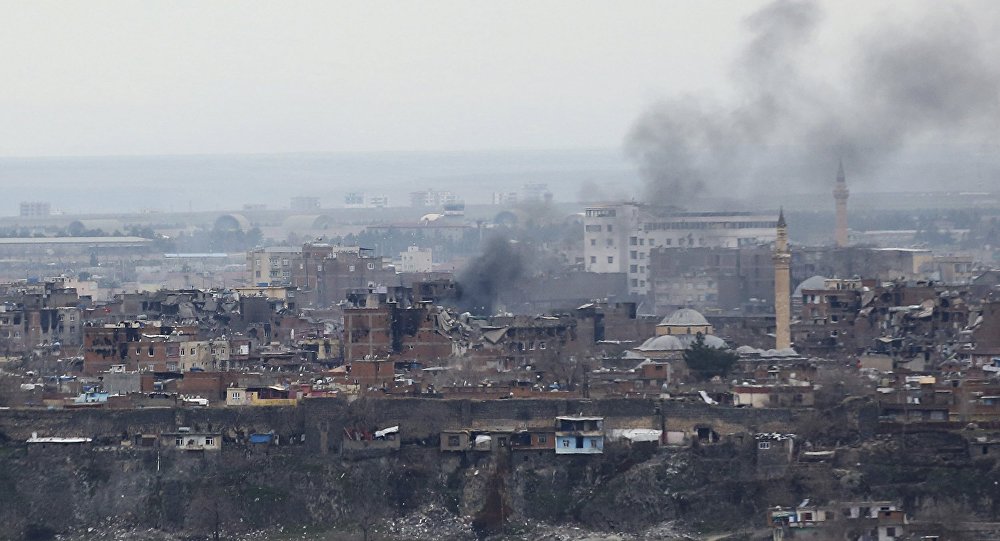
320	422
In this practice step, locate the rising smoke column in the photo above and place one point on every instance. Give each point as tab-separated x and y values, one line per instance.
496	270
902	83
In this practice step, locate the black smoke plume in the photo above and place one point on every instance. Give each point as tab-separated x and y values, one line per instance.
497	270
901	82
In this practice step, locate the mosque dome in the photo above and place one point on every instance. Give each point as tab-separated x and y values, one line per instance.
679	342
816	282
711	340
684	321
666	342
685	317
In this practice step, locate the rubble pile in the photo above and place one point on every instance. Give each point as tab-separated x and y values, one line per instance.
112	531
666	531
430	522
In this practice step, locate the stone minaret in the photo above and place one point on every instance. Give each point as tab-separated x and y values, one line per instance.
782	309
840	194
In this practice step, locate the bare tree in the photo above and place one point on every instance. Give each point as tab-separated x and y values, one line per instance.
210	509
367	496
835	383
10	391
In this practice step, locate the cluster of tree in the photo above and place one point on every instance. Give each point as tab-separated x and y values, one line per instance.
934	227
20	233
217	240
706	362
933	236
393	242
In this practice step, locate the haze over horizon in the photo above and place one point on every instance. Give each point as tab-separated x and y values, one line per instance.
109	84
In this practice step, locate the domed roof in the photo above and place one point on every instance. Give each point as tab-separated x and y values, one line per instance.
711	340
664	342
679	342
783	352
685	317
816	282
232	222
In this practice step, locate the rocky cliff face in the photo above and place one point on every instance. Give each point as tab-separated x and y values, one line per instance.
626	490
419	492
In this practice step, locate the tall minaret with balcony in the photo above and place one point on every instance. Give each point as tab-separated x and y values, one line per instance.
782	301
840	194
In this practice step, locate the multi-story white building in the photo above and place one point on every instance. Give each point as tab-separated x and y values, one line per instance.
504	198
305	204
535	191
619	237
432	198
354	200
605	236
362	200
35	208
272	264
416	259
196	355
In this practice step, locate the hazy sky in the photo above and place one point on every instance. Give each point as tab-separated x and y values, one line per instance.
124	78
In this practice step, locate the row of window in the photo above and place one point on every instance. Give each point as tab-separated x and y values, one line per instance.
455	441
610	243
681	241
659	226
53	331
688	285
319	268
17	320
593	259
151	350
180	441
593	444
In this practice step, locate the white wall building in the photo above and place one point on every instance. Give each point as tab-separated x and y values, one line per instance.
35	208
196	355
272	264
619	237
416	259
504	198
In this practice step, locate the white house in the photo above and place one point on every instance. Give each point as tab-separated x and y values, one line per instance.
577	435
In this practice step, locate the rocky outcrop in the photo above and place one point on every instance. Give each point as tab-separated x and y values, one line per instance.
421	492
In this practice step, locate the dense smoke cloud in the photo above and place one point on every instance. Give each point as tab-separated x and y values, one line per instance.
495	271
903	83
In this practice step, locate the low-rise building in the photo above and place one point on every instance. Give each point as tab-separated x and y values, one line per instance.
416	259
579	435
369	443
774	450
773	395
873	521
186	440
261	396
456	440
